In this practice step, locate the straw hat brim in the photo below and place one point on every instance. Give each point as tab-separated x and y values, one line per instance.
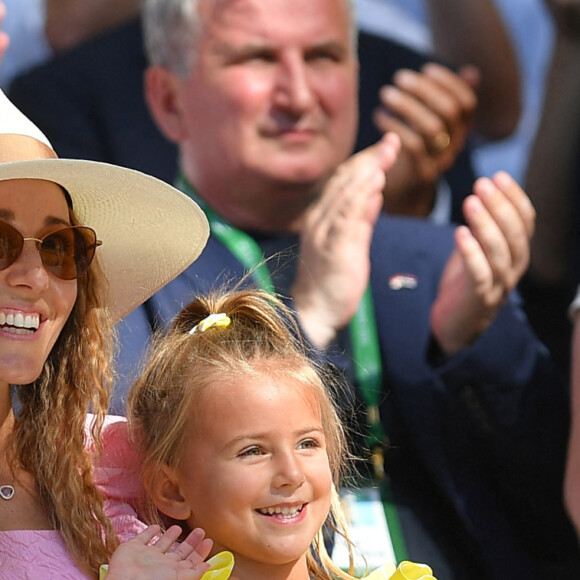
150	231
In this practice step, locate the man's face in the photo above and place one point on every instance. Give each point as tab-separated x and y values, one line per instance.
272	98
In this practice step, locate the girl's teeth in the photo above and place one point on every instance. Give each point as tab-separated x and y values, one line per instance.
285	511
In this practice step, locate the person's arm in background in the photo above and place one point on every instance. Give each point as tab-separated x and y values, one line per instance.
552	176
552	181
4	40
436	108
572	481
473	33
69	22
23	22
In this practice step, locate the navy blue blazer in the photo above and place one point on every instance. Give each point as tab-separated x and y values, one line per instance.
477	441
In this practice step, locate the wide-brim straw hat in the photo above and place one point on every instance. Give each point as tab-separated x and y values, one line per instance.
150	231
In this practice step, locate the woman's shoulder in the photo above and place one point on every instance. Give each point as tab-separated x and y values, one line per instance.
36	554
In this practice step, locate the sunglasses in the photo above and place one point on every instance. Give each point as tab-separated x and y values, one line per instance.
67	253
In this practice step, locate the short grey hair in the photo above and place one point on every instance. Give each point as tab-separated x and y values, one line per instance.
172	29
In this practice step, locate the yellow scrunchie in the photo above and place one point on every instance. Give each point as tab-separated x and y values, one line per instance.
405	571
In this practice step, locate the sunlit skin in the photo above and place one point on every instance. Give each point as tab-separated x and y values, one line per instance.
265	453
34	208
270	107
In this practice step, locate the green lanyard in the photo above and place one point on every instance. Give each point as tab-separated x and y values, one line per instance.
368	367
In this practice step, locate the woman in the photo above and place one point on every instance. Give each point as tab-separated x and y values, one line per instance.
61	288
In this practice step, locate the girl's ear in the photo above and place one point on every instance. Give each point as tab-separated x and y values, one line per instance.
165	492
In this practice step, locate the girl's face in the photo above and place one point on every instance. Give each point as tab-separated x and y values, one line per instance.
255	472
34	304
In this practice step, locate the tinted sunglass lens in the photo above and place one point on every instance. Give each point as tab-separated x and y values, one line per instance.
11	242
68	252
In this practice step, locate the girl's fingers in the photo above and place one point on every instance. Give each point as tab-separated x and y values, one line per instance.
148	534
202	551
167	539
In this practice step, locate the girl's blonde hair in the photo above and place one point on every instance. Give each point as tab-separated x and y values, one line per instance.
261	337
48	440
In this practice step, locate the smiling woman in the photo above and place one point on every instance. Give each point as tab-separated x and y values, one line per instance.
81	245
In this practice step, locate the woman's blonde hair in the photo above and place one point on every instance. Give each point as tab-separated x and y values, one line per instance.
49	441
261	337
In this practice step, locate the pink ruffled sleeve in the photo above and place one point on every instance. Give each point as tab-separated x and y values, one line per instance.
116	474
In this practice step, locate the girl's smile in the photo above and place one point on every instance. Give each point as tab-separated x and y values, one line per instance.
255	470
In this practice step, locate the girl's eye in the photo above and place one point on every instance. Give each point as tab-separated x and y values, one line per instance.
308	444
250	451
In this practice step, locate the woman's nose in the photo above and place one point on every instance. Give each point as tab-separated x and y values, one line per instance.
28	269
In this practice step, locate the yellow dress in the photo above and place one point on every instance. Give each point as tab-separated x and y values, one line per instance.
222	565
404	571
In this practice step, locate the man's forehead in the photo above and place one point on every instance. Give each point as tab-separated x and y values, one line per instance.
308	23
224	10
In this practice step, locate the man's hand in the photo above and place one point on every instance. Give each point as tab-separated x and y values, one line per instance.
432	112
491	255
334	261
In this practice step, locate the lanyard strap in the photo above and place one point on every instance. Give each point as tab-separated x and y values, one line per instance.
368	368
241	245
363	328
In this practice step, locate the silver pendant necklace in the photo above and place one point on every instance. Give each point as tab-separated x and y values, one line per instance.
6	492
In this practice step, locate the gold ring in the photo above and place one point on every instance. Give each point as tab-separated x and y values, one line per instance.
440	142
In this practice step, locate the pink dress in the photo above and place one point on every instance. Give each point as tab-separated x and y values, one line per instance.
41	554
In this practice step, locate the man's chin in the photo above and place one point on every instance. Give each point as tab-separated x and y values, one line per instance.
300	175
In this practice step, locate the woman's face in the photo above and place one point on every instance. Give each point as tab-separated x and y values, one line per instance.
34	304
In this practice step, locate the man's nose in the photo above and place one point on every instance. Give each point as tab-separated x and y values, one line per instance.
293	90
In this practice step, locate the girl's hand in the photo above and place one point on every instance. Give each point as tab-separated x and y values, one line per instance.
139	559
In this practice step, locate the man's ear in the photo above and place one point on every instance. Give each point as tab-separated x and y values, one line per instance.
162	96
165	491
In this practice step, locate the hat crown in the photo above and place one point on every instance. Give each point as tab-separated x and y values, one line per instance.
150	231
20	138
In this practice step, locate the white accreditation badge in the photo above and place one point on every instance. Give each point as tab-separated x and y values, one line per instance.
368	531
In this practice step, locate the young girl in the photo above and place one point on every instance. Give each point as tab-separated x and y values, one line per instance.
241	437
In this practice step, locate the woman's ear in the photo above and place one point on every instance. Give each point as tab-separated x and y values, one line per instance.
165	491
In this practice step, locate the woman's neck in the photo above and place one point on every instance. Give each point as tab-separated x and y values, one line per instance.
6	413
24	510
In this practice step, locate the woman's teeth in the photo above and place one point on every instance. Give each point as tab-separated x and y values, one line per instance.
19	323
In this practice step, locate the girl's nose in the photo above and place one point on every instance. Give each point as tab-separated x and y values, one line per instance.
289	471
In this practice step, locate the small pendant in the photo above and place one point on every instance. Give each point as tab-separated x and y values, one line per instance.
6	492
